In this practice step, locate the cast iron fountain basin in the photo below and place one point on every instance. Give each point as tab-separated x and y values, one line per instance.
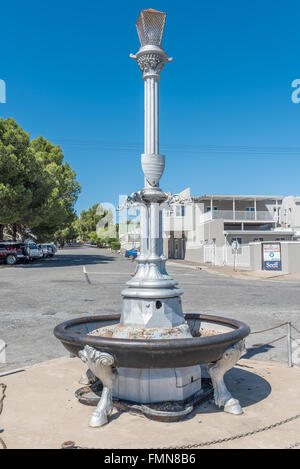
166	353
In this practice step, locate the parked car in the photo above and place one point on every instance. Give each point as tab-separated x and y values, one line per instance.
41	254
33	251
44	248
131	253
13	251
51	249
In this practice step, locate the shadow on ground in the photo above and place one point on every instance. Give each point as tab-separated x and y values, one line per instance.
246	386
257	349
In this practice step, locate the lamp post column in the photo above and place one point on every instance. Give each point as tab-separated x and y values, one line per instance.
151	298
151	60
152	306
151	147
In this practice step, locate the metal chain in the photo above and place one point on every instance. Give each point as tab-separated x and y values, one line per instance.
295	328
231	438
293	445
270	329
295	340
3	388
72	445
268	343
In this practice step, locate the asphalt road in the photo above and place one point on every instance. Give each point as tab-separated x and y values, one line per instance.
83	281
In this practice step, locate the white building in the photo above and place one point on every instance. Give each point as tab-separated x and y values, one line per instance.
129	235
204	229
290	214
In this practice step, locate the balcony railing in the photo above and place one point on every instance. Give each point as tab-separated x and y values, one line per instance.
241	215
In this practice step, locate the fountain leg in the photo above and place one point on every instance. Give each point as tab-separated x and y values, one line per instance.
217	370
101	365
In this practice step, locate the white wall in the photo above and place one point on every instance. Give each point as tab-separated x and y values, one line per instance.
290	212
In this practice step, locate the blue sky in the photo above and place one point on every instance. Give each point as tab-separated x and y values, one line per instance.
227	122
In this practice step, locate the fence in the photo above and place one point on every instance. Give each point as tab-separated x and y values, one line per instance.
225	255
292	344
243	215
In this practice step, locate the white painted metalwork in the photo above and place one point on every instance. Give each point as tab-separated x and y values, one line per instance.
100	364
222	396
152	301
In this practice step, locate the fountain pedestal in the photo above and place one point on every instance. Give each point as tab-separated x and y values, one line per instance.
139	320
157	385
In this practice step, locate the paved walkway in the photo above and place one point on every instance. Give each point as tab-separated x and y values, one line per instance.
239	273
40	411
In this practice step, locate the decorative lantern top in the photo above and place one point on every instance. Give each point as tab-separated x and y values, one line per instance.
150	26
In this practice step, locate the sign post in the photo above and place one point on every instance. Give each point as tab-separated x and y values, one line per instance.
235	247
271	256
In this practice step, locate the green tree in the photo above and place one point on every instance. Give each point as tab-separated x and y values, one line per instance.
69	233
52	207
88	221
18	172
37	189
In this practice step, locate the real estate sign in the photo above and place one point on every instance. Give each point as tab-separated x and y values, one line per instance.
271	256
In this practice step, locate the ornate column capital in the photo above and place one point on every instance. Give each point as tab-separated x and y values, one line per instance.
151	60
151	65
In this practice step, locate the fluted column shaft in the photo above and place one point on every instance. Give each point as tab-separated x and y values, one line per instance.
151	136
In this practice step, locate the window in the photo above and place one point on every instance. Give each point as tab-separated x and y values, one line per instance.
208	209
250	209
239	240
280	239
179	211
258	239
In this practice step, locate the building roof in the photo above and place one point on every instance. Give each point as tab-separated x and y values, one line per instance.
260	232
236	197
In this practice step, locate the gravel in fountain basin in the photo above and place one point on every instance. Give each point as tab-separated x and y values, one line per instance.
136	332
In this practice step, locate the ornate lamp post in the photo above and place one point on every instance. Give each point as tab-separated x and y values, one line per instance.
152	302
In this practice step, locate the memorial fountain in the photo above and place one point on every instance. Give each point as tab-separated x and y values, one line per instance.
152	353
